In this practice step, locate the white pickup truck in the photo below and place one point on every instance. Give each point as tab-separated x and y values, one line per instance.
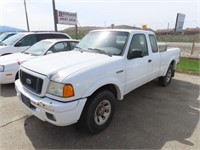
84	84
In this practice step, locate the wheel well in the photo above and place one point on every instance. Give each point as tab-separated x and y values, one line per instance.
109	87
173	63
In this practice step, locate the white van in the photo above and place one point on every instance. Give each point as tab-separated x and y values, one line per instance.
21	41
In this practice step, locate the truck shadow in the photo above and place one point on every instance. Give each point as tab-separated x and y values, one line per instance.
7	90
148	117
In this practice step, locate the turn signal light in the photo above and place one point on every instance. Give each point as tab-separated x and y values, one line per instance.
68	90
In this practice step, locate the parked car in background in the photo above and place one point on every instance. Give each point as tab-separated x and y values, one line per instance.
9	64
22	41
6	35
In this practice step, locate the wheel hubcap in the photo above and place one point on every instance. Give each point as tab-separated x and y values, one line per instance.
169	74
102	112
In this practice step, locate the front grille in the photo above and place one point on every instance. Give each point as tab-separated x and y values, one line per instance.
31	82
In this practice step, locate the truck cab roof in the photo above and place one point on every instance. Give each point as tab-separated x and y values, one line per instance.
127	30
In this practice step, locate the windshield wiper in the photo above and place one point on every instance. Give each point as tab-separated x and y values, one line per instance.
79	49
99	51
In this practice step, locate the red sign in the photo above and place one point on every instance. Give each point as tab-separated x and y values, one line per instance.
67	18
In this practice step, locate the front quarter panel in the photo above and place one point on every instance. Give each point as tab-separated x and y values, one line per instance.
88	80
105	81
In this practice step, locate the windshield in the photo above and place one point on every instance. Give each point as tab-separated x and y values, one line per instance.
13	39
39	48
3	36
109	42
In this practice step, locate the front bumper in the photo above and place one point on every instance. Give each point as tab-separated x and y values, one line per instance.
46	109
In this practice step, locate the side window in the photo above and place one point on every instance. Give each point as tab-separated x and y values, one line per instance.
73	45
139	42
10	35
50	36
42	36
60	36
27	40
59	47
153	42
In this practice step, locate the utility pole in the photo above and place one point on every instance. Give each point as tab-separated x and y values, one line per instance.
167	39
76	30
54	15
26	15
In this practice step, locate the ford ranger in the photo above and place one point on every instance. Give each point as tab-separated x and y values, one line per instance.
83	85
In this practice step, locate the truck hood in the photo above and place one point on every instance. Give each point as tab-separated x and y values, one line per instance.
16	57
60	65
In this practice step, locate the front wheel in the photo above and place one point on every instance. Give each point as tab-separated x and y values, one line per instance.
100	111
165	80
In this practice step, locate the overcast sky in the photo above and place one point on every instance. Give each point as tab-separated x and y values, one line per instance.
156	14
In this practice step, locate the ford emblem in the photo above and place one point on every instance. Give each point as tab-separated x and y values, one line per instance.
28	81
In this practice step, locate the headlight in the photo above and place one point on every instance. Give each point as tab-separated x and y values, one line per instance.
60	89
1	68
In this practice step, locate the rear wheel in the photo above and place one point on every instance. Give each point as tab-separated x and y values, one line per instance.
165	80
100	111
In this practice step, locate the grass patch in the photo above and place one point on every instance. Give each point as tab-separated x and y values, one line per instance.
189	65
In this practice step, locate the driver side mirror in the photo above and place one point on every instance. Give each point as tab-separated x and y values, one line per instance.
135	53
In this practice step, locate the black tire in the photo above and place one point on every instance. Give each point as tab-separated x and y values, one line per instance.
165	80
99	111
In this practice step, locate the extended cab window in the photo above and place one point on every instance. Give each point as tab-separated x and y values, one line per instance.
139	43
153	42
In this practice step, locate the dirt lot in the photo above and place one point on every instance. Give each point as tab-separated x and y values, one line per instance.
150	117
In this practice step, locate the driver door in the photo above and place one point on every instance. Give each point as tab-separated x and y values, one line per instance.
138	70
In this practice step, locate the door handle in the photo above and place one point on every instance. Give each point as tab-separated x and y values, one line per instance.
120	71
149	60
